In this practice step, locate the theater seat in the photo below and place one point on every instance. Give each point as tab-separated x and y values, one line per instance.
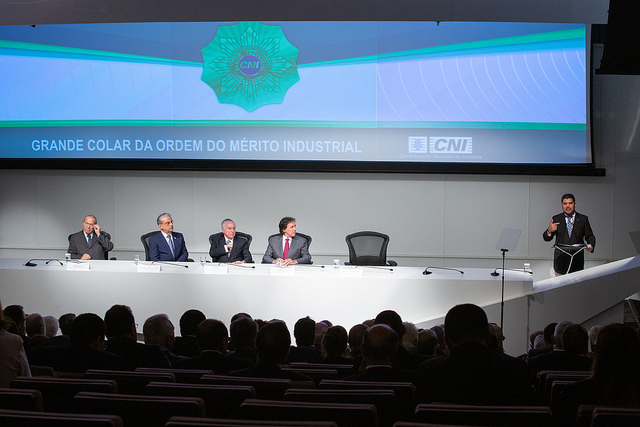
14	418
131	382
521	416
25	400
220	422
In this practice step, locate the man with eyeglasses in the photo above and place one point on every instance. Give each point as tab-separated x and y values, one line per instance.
91	242
167	245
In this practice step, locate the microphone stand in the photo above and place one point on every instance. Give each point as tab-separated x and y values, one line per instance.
426	270
33	264
173	263
504	251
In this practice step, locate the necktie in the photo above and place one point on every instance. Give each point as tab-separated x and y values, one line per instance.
228	251
286	248
89	239
170	240
569	225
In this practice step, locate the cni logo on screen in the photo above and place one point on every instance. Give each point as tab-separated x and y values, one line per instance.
440	145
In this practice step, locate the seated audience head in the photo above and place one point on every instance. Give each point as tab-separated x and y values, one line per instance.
120	322
212	335
320	330
557	334
410	337
239	315
65	323
439	331
391	319
35	325
548	334
539	342
51	326
379	345
466	323
496	337
158	330
4	323
575	340
16	313
532	338
88	330
273	342
189	321
335	341
304	331
243	332
356	334
617	366
593	337
427	343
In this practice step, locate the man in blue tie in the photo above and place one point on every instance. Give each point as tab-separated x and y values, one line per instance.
167	245
569	228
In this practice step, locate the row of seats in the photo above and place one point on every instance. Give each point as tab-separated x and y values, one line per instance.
153	397
365	247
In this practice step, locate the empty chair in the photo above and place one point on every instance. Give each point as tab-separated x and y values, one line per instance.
138	410
25	400
58	392
182	375
368	248
266	388
13	418
405	392
383	400
344	414
239	234
522	416
220	400
145	243
219	422
130	382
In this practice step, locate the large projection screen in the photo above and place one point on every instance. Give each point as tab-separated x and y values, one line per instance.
344	96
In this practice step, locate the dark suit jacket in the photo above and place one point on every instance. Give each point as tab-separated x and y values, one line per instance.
581	233
135	355
239	252
298	250
159	248
100	246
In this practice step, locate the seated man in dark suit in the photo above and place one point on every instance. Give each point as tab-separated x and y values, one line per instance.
86	350
122	340
286	248
304	331
158	330
186	344
90	243
472	373
228	247
379	349
167	245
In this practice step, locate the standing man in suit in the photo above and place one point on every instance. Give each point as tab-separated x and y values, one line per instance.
569	228
91	242
166	245
229	248
286	248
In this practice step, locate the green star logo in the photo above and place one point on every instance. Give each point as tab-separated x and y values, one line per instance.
250	65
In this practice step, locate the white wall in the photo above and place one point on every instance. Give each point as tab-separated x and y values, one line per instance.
431	219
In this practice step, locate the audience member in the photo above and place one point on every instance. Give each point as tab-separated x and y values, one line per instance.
427	344
410	338
403	359
334	346
593	337
122	340
442	345
35	329
185	344
273	342
159	330
86	349
379	349
320	330
65	322
615	380
52	326
472	373
547	342
212	337
13	362
15	314
304	332
496	338
242	336
572	356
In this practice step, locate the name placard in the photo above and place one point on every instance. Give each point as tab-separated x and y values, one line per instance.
149	268
216	269
78	266
282	271
351	271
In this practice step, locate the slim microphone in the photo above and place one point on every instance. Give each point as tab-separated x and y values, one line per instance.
308	265
426	270
170	263
495	272
237	265
376	267
33	264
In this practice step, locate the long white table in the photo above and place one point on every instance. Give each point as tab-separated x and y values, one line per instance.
343	295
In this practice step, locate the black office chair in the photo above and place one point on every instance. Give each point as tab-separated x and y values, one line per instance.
145	243
240	234
368	248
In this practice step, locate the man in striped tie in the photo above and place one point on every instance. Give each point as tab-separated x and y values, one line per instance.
571	230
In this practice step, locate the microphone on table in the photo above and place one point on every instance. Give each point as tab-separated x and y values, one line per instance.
495	272
173	263
376	267
33	264
237	265
426	270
